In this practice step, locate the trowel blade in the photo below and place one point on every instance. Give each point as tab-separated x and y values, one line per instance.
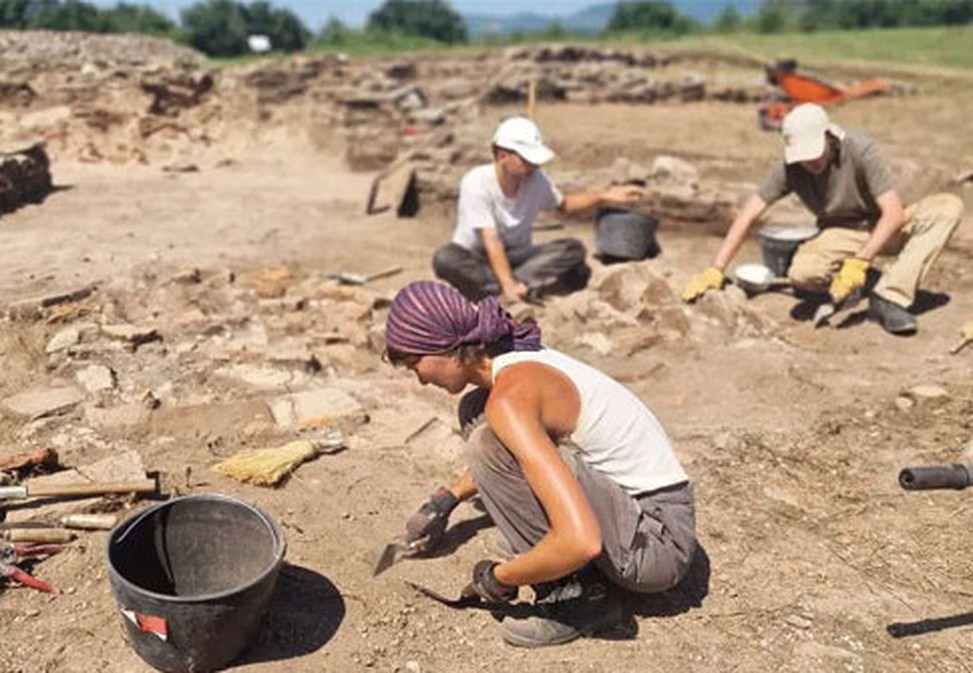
823	314
393	553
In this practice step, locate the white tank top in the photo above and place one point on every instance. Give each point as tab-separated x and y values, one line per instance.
616	433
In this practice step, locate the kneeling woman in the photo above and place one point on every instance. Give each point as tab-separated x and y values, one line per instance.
575	471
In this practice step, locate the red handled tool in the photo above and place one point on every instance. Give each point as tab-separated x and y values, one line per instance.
11	553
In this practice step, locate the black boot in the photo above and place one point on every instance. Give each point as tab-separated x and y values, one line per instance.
893	318
582	604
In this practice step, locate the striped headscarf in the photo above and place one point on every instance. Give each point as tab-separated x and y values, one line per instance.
427	318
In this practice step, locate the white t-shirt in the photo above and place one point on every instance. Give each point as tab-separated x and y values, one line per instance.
616	433
482	205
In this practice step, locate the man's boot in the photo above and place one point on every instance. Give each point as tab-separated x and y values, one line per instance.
893	318
582	604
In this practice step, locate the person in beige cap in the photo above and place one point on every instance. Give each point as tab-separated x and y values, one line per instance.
841	178
492	251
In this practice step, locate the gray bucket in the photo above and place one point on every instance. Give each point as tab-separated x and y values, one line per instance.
193	578
778	245
625	234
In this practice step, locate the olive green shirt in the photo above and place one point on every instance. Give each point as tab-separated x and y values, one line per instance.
843	194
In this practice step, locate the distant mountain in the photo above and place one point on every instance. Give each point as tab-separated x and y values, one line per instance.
592	19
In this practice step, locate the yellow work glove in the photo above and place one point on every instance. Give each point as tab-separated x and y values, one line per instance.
710	279
851	277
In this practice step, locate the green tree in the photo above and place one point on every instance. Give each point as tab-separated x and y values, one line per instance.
69	15
426	18
285	30
652	16
773	16
125	18
334	32
728	20
554	31
216	27
14	13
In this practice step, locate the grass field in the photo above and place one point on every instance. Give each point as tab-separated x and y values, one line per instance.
931	47
940	48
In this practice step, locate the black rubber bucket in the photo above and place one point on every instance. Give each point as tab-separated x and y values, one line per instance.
193	578
778	245
625	235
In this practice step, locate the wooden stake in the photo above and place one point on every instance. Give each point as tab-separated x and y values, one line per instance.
531	98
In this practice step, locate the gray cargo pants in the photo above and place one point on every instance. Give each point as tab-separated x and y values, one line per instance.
556	267
647	541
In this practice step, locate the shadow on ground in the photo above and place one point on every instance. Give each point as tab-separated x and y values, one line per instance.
304	615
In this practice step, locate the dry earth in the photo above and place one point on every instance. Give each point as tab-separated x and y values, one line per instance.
793	436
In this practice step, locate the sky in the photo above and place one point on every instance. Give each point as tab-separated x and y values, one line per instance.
315	13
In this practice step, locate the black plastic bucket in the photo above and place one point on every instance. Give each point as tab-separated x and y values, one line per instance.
193	578
778	245
625	235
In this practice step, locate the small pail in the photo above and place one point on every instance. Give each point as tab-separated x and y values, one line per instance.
193	578
626	235
778	245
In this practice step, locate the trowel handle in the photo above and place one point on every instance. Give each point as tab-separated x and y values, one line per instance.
935	476
110	488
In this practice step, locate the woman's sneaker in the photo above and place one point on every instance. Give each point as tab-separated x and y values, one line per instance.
578	605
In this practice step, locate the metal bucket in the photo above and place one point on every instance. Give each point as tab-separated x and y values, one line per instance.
625	235
193	578
778	245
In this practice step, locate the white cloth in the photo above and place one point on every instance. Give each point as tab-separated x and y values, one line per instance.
616	433
482	205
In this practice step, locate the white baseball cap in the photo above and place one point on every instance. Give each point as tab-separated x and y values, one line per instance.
804	130
521	135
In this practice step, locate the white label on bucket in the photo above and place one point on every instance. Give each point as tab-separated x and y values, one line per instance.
148	624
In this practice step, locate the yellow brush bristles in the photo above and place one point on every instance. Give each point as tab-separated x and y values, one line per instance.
266	467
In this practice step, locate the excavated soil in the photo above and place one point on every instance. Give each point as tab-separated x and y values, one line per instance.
220	232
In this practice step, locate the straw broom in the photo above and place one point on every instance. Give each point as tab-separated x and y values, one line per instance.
266	467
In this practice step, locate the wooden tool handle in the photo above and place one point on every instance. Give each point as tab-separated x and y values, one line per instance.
54	535
139	486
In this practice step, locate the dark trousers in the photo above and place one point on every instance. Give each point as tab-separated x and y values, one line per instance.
556	267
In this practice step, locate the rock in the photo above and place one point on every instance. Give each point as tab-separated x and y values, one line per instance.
135	336
799	621
597	342
928	391
457	88
672	169
270	282
96	378
31	309
317	408
904	403
25	176
623	285
123	416
263	377
63	340
626	171
40	403
811	657
657	293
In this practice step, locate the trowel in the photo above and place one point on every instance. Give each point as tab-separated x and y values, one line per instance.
395	551
825	312
349	278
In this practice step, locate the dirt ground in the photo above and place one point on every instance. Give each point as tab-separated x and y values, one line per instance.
793	436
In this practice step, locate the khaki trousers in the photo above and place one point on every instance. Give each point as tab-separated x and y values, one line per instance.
929	223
